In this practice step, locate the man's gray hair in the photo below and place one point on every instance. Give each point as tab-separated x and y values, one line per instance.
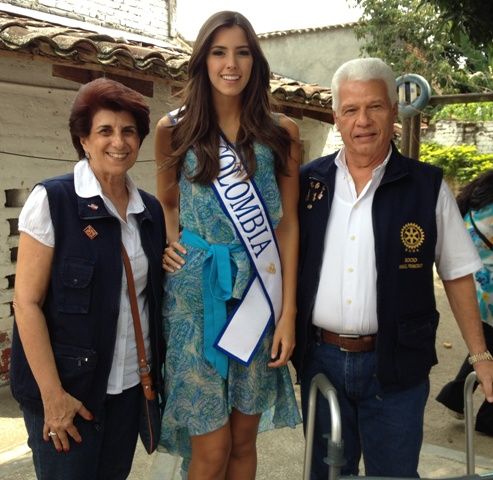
363	69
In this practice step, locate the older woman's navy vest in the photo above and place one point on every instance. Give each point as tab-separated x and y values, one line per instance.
405	231
83	297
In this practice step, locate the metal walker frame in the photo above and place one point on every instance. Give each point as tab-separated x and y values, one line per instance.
335	447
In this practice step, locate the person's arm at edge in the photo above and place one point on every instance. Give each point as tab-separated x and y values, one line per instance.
168	194
461	293
287	233
33	272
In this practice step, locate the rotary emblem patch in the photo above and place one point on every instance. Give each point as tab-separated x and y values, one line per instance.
412	236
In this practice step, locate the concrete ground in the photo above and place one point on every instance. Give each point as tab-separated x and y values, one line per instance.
280	454
281	451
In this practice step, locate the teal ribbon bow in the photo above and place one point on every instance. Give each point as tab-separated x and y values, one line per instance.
217	288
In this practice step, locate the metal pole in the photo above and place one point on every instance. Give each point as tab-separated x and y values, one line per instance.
468	413
320	382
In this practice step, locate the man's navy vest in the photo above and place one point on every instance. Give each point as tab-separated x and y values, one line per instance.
83	298
405	231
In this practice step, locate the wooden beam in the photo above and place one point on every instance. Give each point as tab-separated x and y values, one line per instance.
325	117
460	98
311	111
83	75
126	73
288	110
415	137
405	136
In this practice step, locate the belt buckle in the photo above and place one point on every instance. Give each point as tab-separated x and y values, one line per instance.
347	335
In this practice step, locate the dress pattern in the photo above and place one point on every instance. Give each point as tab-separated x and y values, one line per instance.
483	219
198	400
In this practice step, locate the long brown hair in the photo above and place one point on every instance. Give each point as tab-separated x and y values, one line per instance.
198	125
477	194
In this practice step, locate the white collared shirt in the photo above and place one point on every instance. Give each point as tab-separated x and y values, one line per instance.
35	220
346	296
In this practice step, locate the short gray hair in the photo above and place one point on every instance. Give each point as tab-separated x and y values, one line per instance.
363	69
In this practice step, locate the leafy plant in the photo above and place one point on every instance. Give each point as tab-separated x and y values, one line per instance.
466	112
416	36
460	163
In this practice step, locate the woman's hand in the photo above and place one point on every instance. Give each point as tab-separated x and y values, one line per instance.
60	408
172	260
283	341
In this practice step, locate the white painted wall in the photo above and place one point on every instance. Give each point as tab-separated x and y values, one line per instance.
317	138
35	144
311	57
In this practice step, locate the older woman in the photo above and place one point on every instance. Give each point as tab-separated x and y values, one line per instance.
74	357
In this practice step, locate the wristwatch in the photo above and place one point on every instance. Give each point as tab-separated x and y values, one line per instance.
478	357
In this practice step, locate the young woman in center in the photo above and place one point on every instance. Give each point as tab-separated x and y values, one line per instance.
228	183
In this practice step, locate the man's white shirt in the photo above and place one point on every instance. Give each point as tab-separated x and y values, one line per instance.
346	297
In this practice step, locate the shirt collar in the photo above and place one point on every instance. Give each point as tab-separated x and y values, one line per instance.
87	186
340	161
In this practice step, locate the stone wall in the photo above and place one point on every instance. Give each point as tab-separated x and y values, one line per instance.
35	144
452	132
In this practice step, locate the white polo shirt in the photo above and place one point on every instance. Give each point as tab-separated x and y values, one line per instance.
346	298
35	220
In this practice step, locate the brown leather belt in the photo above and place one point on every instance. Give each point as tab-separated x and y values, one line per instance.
349	343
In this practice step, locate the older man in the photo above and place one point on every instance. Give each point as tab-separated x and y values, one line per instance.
373	224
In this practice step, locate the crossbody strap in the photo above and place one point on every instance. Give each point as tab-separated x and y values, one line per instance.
144	368
481	235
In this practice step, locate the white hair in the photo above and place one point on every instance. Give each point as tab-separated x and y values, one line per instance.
364	70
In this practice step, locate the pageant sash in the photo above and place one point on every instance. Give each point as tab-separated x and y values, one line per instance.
262	300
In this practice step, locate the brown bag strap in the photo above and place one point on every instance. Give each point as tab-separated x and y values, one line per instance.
144	368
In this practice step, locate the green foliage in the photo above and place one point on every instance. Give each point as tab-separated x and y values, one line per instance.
469	17
414	37
466	112
460	163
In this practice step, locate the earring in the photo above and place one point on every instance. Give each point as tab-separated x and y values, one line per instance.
87	155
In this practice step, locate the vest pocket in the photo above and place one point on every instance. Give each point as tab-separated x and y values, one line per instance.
76	276
76	367
415	350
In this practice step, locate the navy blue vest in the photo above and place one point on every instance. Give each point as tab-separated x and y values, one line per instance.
83	297
404	225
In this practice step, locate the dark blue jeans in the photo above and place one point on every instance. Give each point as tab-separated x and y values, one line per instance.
386	427
107	448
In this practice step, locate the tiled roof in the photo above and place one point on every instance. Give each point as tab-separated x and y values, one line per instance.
304	94
77	47
299	31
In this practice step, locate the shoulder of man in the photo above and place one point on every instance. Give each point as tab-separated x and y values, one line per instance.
318	165
415	165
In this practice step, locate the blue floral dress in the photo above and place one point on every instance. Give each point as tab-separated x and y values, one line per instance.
483	219
198	399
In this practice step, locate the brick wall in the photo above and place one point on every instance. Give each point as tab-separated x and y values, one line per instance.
149	18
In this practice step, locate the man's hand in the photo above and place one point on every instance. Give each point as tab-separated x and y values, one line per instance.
484	373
